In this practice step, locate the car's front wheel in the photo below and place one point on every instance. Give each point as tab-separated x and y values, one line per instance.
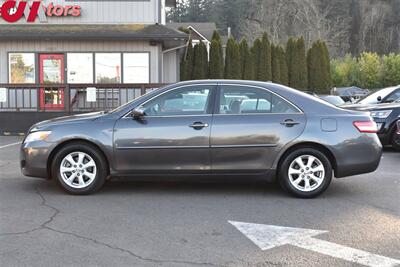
305	173
79	169
395	141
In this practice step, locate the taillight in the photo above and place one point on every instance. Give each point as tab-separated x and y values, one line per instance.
366	126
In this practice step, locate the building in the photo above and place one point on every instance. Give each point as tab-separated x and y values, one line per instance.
199	32
73	43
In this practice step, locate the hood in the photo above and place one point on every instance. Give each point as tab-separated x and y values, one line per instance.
363	107
69	119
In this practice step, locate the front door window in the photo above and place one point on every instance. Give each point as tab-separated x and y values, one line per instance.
190	100
52	73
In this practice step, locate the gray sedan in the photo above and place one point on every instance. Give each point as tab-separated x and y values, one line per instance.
207	128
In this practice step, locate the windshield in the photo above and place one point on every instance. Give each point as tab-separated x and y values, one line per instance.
373	97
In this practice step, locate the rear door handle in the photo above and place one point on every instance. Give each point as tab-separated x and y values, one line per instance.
290	123
198	125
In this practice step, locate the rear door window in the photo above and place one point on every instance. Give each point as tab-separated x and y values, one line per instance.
251	100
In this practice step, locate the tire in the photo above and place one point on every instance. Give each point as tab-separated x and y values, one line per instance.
395	140
79	168
311	184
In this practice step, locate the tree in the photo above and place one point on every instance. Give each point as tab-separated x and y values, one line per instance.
186	66
216	60
255	53
297	63
283	66
300	74
232	60
345	72
200	67
275	64
246	61
370	66
319	79
391	70
264	68
290	59
216	36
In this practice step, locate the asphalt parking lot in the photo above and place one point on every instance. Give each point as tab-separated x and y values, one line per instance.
186	223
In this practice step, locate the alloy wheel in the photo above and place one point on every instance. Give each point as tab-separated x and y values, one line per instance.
78	170
306	173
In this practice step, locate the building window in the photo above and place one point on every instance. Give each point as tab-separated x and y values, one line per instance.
21	67
80	67
136	68
108	67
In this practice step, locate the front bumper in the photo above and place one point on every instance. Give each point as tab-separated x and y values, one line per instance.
34	157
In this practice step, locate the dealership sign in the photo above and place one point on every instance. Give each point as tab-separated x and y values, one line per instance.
13	11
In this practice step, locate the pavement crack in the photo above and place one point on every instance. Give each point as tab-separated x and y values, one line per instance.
56	212
123	250
45	224
45	204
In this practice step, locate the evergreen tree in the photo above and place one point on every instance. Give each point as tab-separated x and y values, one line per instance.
290	60
232	60
301	73
186	65
283	66
275	64
216	36
183	70
263	66
265	60
200	66
255	53
297	63
216	59
318	68
246	61
326	65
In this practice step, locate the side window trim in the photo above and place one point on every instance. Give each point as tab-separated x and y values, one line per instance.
218	96
210	102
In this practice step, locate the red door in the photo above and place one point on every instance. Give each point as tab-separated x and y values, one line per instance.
51	72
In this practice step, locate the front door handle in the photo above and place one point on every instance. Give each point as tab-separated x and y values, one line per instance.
290	123
198	125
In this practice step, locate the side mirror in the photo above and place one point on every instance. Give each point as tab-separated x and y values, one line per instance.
379	98
138	113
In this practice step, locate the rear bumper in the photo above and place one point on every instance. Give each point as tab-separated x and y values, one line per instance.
33	159
359	157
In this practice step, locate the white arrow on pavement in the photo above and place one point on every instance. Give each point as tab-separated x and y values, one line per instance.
270	236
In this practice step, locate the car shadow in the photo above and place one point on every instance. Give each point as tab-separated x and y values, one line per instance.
191	187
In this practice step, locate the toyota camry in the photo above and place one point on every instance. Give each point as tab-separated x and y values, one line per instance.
206	129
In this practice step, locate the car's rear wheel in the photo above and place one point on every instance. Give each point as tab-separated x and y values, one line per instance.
79	169
305	173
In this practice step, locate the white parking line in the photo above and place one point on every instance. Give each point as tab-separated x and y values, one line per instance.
14	144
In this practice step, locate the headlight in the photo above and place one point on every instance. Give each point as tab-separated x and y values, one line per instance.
381	114
37	136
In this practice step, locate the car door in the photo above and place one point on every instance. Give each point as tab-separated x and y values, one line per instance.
173	136
250	127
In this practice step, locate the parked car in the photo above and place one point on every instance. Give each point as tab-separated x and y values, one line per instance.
333	99
386	117
231	128
386	95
